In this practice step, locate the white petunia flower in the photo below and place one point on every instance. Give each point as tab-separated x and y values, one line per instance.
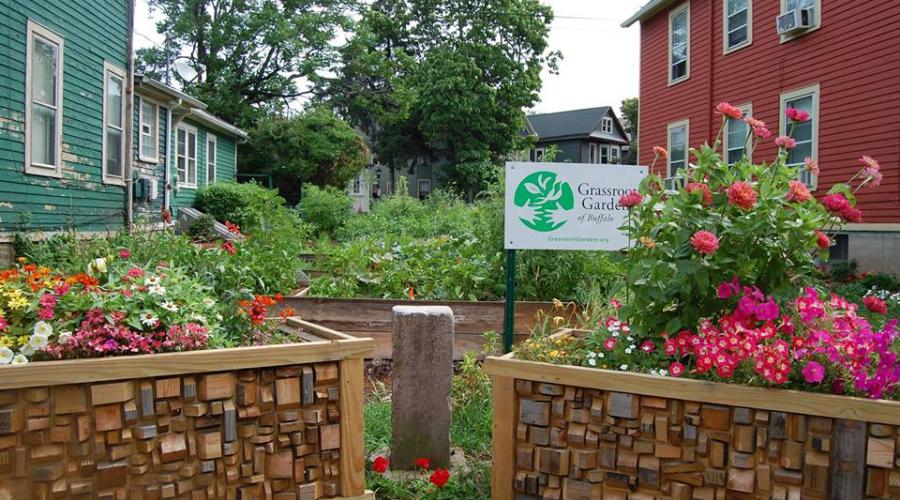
6	355
170	306
628	350
63	337
19	359
592	361
623	367
629	338
43	328
27	350
38	341
601	355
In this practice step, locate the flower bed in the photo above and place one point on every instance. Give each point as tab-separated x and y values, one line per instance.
281	419
583	433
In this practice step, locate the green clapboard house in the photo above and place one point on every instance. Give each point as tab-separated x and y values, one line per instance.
69	157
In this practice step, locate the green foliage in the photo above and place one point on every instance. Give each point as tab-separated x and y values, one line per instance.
327	209
771	245
312	147
629	115
444	79
203	229
247	205
252	53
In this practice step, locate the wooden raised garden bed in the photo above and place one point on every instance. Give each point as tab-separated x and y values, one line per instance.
372	318
581	433
280	421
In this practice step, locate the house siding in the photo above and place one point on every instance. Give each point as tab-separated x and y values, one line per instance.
146	210
93	31
852	58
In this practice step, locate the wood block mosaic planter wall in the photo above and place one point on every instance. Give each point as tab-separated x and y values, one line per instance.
576	433
282	422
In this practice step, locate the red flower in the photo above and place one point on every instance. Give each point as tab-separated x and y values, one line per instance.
703	188
797	115
705	242
648	346
676	369
229	247
631	199
124	253
798	192
380	465
742	195
835	203
851	214
822	240
167	216
440	477
875	304
729	110
233	228
423	463
661	152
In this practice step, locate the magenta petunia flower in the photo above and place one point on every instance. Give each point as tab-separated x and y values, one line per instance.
813	372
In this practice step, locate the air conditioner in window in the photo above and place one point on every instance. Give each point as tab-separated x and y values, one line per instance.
795	20
673	183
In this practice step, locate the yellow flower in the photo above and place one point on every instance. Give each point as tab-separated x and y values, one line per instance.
22	260
558	304
23	339
18	303
554	353
647	242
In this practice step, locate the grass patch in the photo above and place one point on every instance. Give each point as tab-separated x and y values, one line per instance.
470	431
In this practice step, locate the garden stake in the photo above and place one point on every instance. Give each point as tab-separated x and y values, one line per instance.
509	312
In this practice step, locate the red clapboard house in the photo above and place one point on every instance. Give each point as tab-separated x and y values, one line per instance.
837	59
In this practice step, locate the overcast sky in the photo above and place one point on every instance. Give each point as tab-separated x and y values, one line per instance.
600	59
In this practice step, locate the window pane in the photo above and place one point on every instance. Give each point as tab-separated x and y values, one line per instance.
679	70
799	4
113	152
192	171
114	101
737	20
192	146
43	72
210	151
182	172
43	135
799	153
737	37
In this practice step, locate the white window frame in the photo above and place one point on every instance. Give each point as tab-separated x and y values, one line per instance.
817	21
211	138
726	49
815	92
419	187
36	30
748	111
356	186
606	125
687	141
604	154
188	130
592	153
110	69
154	131
685	7
539	154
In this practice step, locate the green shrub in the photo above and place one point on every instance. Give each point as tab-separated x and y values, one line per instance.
203	229
327	209
242	204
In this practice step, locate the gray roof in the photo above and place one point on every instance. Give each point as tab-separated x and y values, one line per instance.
650	9
578	122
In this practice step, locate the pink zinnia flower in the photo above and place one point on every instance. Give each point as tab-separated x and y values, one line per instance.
798	115
822	240
762	132
753	122
812	166
786	142
875	304
798	192
703	188
835	203
631	199
872	169
730	110
705	242
851	214
676	369
3	323
124	253
615	304
741	194
660	152
813	372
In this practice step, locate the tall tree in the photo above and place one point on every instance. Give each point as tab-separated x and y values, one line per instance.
445	79
629	113
251	55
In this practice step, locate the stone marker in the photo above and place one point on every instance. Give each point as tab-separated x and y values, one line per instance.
422	374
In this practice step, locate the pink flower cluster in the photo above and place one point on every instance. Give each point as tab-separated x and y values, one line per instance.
839	205
632	199
48	306
97	337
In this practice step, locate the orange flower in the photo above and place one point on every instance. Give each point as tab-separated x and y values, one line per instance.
287	312
661	152
730	110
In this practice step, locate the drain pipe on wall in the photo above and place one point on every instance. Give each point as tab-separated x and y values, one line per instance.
167	200
129	123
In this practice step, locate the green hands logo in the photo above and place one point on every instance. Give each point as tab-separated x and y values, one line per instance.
543	201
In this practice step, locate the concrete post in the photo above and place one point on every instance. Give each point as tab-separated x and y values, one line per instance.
422	376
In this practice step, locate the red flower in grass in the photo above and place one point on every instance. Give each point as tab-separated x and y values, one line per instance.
124	253
423	463
440	477
875	304
233	228
380	465
741	194
705	242
229	247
